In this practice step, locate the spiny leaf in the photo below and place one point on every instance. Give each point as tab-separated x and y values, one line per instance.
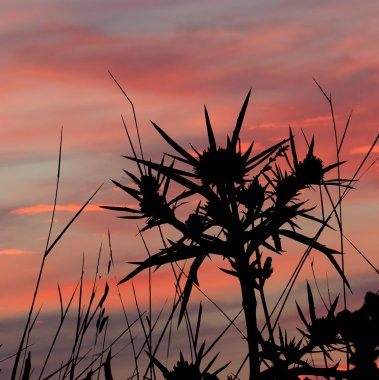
312	311
230	272
158	260
270	247
241	116
191	160
182	195
221	369
304	214
322	248
195	150
281	338
132	176
121	208
206	369
261	157
330	167
293	150
107	367
277	242
311	147
167	183
28	366
302	315
207	193
199	355
134	193
246	155
211	138
308	241
191	279
333	308
132	217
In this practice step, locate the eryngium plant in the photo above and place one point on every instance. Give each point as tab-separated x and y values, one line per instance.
246	204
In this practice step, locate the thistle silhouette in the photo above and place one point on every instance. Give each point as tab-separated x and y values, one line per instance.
246	204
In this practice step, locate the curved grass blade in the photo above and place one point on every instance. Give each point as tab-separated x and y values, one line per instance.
71	221
312	310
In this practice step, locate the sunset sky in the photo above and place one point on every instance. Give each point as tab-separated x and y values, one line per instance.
171	57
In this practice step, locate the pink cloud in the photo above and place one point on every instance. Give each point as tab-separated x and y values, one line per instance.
56	72
306	122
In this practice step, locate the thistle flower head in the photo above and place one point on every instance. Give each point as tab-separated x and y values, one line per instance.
310	171
252	196
323	331
152	204
220	167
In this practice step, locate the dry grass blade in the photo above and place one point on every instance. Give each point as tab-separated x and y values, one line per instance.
107	367
71	221
134	112
61	322
27	368
362	255
27	324
131	144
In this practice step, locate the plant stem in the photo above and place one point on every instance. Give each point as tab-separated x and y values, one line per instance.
249	304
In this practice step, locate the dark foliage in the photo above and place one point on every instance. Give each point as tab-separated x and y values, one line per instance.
246	204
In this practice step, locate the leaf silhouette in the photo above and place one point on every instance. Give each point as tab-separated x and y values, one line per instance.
238	127
211	138
191	279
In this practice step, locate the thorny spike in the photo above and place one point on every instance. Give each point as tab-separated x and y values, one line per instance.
211	138
293	149
241	116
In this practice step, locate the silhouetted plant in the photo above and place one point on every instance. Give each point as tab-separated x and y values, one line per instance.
246	204
361	329
189	371
77	362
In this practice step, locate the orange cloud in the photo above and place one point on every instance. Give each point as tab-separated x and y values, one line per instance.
311	121
42	208
364	149
15	251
